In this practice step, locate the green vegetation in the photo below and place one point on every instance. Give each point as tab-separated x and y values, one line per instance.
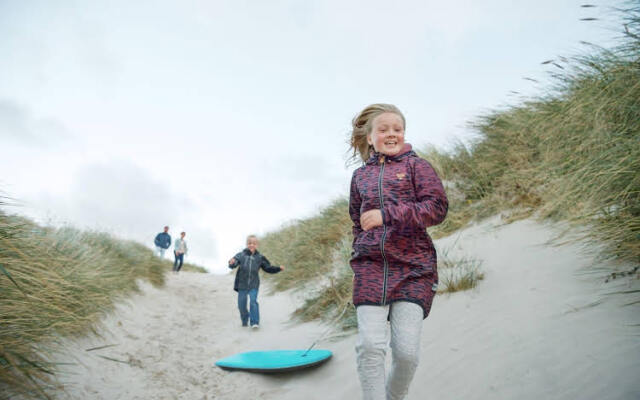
456	274
570	155
308	245
316	252
58	283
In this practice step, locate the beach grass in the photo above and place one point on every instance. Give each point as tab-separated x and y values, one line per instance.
59	282
458	273
572	154
307	245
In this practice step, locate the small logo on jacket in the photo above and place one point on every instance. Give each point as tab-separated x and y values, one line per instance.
401	175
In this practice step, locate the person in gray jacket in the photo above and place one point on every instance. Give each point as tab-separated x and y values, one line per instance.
249	261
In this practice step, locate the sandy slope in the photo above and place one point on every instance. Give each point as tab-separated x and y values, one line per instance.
537	327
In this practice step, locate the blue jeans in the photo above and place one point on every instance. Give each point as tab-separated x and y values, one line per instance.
253	315
177	264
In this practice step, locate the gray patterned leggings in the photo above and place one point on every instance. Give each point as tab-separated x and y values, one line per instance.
371	348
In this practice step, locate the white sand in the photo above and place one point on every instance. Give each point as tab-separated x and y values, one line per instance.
538	327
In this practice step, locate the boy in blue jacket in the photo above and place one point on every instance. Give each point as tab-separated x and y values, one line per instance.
247	280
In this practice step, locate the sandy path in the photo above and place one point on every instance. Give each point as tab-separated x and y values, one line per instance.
166	341
537	327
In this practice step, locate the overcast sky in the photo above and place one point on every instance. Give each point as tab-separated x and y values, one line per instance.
225	118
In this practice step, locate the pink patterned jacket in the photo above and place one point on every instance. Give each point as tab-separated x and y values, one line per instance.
396	261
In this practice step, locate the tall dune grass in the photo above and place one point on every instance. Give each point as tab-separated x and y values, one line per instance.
307	245
58	283
572	154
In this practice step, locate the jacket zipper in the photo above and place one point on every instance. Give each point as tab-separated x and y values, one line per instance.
249	277
384	234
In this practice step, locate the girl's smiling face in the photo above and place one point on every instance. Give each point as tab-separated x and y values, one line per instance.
387	134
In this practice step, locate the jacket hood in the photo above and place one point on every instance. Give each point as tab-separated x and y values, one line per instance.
248	252
405	152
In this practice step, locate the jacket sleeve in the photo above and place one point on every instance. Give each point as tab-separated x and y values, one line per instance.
354	207
267	267
237	263
430	207
156	241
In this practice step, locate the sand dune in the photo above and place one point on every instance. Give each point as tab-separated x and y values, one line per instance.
540	326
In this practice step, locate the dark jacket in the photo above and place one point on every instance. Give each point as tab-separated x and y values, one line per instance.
163	239
396	261
247	277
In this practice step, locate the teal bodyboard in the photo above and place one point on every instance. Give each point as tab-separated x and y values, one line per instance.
274	361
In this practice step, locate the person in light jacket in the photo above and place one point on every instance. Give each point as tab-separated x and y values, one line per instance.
179	251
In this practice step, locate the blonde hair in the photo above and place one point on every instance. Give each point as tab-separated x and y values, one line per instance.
252	237
362	124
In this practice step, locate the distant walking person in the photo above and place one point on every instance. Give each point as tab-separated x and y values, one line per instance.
162	242
179	250
247	280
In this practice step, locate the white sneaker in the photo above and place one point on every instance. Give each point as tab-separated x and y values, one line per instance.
256	326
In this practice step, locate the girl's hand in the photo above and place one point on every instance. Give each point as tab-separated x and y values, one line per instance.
371	219
232	261
282	268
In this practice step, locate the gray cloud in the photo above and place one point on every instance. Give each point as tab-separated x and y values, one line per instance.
19	125
122	198
299	168
300	184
